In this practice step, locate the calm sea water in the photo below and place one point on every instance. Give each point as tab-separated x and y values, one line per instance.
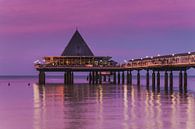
81	106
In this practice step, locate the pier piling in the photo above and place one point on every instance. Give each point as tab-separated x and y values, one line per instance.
123	77
180	81
114	78
93	77
138	78
147	79
166	81
153	80
171	81
185	81
127	78
158	81
41	77
90	78
119	77
130	78
100	78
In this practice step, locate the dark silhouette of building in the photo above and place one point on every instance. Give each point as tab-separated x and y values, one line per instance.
77	47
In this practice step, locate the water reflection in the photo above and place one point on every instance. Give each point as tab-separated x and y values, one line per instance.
110	106
125	100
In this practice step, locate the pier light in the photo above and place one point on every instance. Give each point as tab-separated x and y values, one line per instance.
36	61
158	55
141	58
132	59
189	52
146	56
173	54
151	57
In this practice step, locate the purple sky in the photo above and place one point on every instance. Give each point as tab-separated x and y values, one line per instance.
124	29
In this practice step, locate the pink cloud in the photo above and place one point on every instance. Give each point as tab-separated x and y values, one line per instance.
35	16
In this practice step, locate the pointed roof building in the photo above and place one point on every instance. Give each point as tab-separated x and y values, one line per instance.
77	47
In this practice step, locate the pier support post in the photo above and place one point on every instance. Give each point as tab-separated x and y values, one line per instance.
100	78
123	77
147	79
127	77
65	78
93	77
185	81
138	78
104	78
158	81
130	78
153	80
180	81
171	81
72	76
90	78
96	77
166	81
41	77
119	78
114	77
109	80
68	78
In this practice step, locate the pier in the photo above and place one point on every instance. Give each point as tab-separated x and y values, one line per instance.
77	57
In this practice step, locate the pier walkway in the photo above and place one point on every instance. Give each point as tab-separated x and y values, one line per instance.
121	74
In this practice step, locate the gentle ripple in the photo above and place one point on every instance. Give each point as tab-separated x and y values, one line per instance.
82	106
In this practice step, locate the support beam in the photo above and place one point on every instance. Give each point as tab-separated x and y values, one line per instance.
41	78
171	81
114	77
138	78
96	77
90	78
127	78
130	78
158	81
109	79
123	77
166	81
185	81
147	79
180	81
68	77
72	76
104	78
65	78
153	80
100	78
119	78
93	77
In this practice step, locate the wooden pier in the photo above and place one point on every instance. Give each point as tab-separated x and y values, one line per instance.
77	57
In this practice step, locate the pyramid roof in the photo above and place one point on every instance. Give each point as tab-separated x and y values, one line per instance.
77	46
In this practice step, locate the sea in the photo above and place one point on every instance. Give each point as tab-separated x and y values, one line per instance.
26	105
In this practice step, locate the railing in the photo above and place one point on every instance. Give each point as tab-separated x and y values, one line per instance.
76	66
188	59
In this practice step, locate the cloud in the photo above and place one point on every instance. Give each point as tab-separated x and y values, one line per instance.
34	16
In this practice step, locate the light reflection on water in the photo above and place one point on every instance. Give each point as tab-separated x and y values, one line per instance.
108	106
55	106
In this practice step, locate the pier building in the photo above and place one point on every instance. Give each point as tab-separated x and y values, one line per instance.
76	57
